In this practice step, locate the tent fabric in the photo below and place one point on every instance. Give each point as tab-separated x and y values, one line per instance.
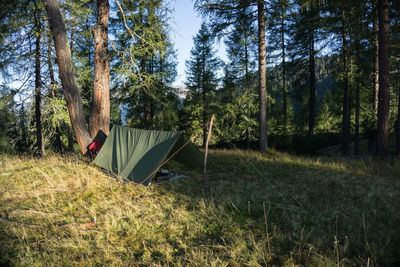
135	154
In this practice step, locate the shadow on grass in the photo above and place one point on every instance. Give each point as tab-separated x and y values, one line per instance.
331	209
263	210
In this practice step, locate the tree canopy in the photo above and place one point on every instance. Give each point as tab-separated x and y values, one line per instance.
297	70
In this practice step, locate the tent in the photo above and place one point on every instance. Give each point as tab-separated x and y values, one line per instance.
136	154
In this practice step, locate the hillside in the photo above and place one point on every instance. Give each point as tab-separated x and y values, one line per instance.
272	209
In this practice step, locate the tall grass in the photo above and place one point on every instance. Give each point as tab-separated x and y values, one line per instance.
271	209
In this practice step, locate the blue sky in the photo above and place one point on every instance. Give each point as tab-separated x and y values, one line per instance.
185	24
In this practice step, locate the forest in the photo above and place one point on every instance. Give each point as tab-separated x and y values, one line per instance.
304	150
300	75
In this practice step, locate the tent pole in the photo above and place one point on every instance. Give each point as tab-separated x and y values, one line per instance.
205	155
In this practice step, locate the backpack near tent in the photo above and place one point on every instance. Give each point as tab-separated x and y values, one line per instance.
136	154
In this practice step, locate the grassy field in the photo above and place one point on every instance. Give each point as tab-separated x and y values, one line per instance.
272	209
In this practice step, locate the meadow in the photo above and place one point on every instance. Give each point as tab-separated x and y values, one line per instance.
270	209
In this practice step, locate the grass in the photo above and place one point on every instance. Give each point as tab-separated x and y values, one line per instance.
271	209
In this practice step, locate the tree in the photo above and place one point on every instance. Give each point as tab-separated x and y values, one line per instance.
384	80
262	74
278	31
346	100
145	65
38	93
201	71
395	55
305	33
223	16
99	119
240	81
375	55
70	89
21	55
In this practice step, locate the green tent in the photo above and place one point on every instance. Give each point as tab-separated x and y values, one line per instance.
136	154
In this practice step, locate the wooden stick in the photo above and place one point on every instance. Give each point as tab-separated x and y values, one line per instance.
205	155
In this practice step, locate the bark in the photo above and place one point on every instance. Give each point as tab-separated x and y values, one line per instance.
398	123
99	119
284	73
384	80
346	104
38	93
262	78
376	58
357	119
311	119
71	92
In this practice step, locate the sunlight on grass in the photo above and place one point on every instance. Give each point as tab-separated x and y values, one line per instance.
271	209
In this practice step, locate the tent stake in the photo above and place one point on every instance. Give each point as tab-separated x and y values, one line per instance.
205	155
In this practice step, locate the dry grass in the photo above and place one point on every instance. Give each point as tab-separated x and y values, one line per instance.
272	209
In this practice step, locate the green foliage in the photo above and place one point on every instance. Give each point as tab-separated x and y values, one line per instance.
6	120
144	66
55	112
202	82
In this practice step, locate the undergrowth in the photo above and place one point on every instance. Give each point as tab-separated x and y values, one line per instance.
263	209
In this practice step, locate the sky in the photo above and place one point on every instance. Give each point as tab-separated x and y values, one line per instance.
185	24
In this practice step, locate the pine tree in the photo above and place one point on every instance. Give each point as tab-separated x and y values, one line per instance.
278	20
201	71
224	14
38	93
145	64
240	82
305	33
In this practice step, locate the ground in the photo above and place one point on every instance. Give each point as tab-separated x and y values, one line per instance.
263	209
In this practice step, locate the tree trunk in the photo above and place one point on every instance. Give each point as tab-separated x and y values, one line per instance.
397	126
284	108
38	93
311	120
384	80
262	71
357	80
71	92
345	115
376	57
99	119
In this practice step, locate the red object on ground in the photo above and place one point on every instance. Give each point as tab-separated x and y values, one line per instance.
95	148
